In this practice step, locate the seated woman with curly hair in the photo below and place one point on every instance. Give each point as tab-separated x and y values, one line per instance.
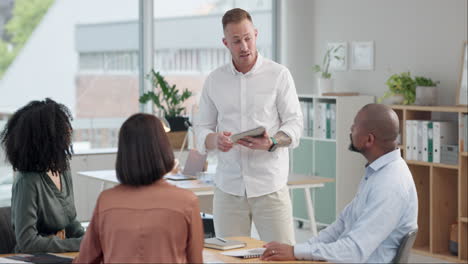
144	219
37	140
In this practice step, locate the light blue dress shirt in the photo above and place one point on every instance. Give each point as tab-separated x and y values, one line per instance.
371	227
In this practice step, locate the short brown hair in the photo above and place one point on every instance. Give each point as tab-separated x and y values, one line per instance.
145	154
235	16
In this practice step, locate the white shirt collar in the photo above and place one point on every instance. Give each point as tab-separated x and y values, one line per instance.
385	159
257	65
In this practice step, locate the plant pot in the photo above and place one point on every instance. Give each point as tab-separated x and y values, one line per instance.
177	123
176	139
426	95
325	86
395	99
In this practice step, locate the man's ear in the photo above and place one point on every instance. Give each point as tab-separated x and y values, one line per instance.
370	140
256	33
225	42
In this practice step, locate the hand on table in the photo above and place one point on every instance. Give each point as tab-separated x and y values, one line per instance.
60	234
277	251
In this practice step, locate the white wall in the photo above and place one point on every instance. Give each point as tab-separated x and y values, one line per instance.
421	36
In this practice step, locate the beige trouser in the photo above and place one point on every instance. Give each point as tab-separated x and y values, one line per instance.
271	213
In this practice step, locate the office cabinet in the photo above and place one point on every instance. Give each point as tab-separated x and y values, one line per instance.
323	151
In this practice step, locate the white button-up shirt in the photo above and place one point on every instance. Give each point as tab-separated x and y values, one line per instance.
371	227
235	102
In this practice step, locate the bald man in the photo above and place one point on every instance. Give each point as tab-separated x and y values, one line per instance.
384	209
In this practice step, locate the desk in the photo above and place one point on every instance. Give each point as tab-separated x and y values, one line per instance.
295	181
215	256
108	177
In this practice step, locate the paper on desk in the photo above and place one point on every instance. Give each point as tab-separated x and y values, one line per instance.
7	260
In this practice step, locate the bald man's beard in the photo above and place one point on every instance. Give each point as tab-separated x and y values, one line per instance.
352	147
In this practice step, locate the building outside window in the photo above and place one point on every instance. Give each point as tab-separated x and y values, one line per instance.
80	54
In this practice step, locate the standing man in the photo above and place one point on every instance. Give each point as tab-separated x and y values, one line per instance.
251	176
384	210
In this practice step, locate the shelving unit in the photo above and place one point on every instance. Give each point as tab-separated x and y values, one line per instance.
329	157
442	189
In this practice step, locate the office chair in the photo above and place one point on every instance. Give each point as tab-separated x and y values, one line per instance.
7	239
404	249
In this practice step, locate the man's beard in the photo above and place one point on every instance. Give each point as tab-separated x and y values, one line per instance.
351	145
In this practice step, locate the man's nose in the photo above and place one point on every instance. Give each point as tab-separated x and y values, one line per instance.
243	46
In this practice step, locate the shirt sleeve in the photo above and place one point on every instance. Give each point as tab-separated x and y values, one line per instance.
25	206
332	232
289	108
91	249
379	219
195	242
207	116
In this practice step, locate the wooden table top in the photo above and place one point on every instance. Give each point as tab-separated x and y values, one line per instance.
215	256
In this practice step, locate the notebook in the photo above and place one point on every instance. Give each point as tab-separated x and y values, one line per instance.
245	253
218	243
194	164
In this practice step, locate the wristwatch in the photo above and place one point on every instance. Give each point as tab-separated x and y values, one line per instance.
274	146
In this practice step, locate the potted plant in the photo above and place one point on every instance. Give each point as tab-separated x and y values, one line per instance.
325	82
167	98
401	89
426	92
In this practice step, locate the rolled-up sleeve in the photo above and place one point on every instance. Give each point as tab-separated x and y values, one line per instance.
206	120
289	108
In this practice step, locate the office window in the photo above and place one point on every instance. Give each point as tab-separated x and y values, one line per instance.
188	39
76	52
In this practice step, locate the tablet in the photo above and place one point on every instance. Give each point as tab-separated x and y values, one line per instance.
256	132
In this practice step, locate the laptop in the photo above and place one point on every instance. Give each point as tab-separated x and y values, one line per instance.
194	164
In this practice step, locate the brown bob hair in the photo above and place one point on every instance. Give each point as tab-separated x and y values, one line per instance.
145	154
235	16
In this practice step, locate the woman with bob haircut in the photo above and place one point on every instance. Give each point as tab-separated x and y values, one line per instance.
37	143
144	219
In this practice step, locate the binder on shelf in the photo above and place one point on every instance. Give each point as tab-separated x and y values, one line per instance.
425	141
320	121
430	141
414	140
323	133
333	121
445	133
419	145
449	154
311	119
409	139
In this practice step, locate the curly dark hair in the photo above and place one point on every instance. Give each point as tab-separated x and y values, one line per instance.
37	138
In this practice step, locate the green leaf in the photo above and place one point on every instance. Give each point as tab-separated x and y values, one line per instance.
316	68
27	14
168	97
